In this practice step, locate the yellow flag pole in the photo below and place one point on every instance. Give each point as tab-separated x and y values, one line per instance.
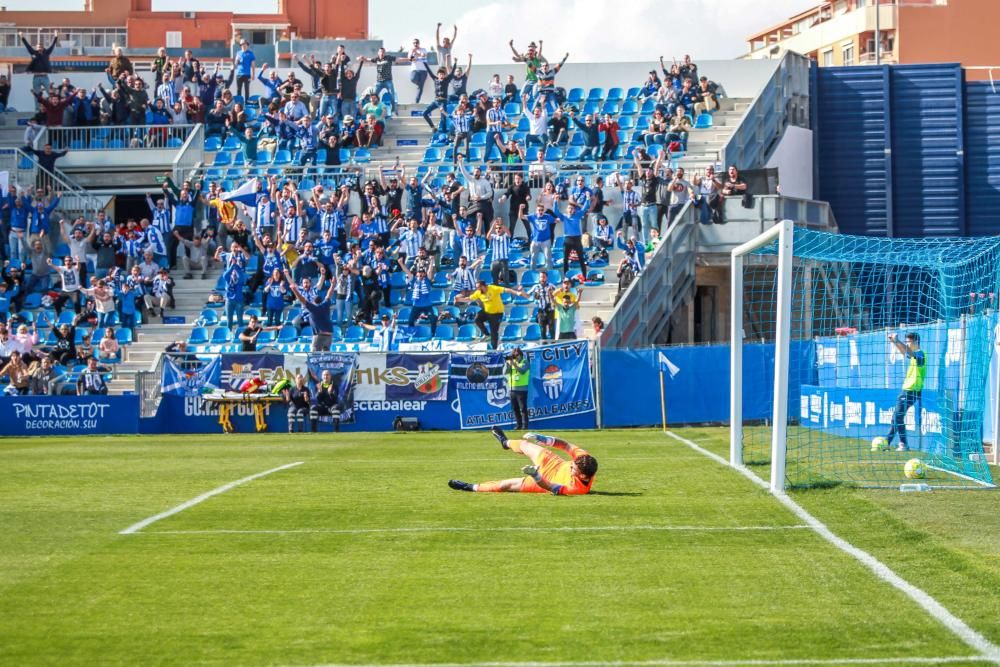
663	403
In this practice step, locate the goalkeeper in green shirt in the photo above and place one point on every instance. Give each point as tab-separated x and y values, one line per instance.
913	384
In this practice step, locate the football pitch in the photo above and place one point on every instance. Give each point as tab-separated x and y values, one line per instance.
352	550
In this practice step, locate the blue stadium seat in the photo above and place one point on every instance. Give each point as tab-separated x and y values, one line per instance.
595	94
704	121
478	139
282	157
512	109
523	125
355	334
266	338
440	280
511	333
287	334
518	315
641	124
553	154
592	107
467	333
574	153
626	122
615	94
475	154
231	144
403	315
213	144
222	159
595	276
432	155
445	332
612	107
124	336
648	106
532	333
221	336
575	96
199	336
362	156
577	139
421	334
449	314
264	157
529	279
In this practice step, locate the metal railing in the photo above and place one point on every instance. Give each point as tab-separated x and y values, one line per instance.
783	101
667	280
117	137
190	155
148	387
27	172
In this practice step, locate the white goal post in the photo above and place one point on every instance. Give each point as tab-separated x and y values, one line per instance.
783	233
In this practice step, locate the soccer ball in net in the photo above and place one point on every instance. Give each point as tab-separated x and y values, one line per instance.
914	469
879	444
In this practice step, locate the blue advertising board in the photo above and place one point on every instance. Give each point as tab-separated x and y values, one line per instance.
855	412
69	415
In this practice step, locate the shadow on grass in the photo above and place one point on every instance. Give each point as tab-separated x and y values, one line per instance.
614	493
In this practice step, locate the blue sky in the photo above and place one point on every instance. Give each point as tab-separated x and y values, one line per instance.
591	30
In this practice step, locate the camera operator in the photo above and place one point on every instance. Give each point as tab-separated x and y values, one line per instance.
518	374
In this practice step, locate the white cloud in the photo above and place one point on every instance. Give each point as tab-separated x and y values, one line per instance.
621	30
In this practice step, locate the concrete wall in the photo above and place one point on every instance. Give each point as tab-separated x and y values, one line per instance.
741	78
794	160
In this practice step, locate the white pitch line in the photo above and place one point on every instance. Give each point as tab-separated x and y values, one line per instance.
136	527
989	651
791	662
473	529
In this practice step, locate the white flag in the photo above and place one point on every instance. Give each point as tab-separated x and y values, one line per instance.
667	366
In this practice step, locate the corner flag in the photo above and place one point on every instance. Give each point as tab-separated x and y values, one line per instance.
667	366
245	194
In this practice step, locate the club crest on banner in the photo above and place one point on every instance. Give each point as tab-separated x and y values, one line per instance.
428	378
498	395
552	381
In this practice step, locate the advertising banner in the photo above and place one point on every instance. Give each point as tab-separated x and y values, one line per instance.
180	382
865	413
560	385
69	415
342	367
398	377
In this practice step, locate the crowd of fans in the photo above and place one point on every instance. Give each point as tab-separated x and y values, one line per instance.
322	259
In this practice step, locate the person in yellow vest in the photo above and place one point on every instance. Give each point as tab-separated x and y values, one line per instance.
518	374
491	297
913	384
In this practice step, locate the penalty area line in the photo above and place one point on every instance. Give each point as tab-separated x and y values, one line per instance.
788	662
136	527
989	652
475	529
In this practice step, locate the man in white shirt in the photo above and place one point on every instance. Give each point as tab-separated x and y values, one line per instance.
418	73
480	191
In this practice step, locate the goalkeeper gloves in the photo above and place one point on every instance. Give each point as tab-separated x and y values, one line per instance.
532	472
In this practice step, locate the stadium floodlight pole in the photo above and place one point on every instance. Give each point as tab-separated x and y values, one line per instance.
783	233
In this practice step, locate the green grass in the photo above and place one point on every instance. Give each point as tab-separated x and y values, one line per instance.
75	591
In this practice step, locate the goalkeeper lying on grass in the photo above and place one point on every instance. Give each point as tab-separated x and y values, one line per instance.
549	472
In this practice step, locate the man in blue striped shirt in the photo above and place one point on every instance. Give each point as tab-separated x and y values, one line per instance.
499	238
463	278
410	240
420	295
496	122
462	117
470	240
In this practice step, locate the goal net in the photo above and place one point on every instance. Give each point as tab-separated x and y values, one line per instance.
854	355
